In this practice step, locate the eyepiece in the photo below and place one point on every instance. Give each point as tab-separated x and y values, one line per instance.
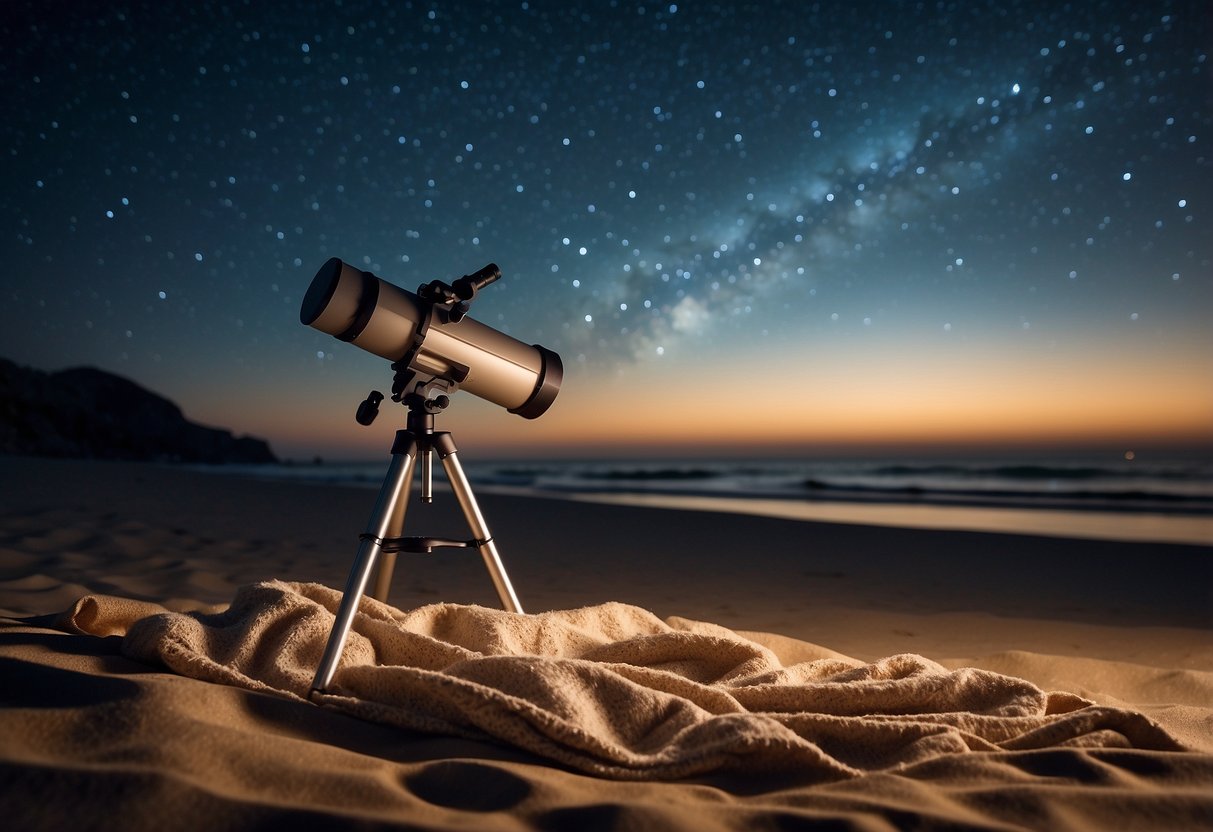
467	286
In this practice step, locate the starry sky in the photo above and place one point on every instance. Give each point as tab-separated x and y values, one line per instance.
790	227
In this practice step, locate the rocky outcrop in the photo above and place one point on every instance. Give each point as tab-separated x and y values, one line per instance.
89	413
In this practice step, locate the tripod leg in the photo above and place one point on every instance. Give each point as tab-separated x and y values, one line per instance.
467	501
388	514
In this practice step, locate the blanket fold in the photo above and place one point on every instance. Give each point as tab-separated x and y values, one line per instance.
612	689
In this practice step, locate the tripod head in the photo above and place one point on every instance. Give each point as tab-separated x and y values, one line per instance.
419	401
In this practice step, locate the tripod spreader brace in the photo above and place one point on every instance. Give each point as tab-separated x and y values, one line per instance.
423	545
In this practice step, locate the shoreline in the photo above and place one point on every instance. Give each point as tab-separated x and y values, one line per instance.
1128	522
1125	525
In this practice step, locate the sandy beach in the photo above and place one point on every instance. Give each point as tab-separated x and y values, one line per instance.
87	731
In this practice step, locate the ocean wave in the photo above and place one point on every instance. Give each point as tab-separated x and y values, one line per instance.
1038	472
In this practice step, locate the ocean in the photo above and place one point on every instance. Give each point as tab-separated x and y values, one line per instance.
1166	498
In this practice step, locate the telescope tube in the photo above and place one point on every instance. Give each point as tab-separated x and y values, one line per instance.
377	316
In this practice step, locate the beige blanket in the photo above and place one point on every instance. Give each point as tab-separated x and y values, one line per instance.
613	690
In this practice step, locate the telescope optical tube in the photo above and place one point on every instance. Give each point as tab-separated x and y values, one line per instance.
381	318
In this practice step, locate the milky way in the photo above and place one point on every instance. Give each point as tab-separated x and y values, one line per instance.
655	180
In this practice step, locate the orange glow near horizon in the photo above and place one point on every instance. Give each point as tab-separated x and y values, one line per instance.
975	399
1120	397
895	413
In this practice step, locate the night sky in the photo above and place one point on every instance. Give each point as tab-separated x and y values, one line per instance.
795	225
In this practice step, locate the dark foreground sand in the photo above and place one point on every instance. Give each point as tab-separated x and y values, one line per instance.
89	737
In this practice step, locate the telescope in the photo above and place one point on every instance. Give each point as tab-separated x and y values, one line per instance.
430	338
435	349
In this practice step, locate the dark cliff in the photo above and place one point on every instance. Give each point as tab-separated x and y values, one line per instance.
89	413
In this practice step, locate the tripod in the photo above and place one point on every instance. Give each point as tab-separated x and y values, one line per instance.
381	540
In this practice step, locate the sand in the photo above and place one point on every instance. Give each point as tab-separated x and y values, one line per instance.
89	736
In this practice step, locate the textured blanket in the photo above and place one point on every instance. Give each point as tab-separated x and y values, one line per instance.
612	689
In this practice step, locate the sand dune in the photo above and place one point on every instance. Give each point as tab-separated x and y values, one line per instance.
88	733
